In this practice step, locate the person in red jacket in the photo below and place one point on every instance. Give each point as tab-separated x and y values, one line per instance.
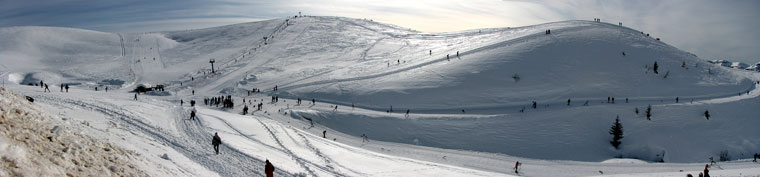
269	169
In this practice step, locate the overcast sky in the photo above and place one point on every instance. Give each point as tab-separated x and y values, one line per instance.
710	29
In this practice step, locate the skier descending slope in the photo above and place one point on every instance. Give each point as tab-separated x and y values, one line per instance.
216	141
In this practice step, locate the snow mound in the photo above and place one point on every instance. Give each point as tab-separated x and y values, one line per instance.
31	146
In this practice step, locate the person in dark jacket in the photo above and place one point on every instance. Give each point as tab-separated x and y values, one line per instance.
216	141
269	169
192	115
707	172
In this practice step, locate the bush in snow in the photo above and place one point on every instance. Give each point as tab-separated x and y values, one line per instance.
617	133
724	156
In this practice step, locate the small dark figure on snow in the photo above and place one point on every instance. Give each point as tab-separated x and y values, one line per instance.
517	166
216	141
676	99
568	101
313	101
181	102
324	134
192	102
61	87
192	115
755	160
534	104
707	115
135	95
47	89
67	88
707	171
269	169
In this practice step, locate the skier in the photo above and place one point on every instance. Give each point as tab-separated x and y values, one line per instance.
181	102
61	87
41	84
193	92
517	166
216	141
192	103
67	88
313	101
755	160
192	115
46	88
676	99
707	172
365	138
245	110
269	169
96	89
568	102
431	52
534	104
135	94
407	112
106	89
457	53
608	99
324	134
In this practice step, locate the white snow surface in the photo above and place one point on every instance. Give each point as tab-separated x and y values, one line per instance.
464	120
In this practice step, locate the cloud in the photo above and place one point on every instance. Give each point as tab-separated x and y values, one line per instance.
710	29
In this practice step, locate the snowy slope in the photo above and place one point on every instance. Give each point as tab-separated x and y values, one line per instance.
465	111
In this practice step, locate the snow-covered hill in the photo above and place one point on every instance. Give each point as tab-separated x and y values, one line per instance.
462	107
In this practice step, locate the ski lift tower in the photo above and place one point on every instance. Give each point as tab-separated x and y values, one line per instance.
212	61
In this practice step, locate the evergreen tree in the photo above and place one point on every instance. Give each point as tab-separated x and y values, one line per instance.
655	68
617	133
649	112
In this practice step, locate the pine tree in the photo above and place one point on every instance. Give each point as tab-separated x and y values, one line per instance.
617	133
649	112
655	68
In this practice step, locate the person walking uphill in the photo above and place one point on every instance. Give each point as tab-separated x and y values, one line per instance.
269	169
216	141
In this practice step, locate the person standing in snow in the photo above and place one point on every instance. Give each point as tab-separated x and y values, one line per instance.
269	169
192	115
41	84
707	171
61	87
324	134
181	102
216	141
67	90
47	89
106	89
755	156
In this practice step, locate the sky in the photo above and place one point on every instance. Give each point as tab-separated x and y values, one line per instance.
710	29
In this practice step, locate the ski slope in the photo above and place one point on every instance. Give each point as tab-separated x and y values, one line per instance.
465	111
